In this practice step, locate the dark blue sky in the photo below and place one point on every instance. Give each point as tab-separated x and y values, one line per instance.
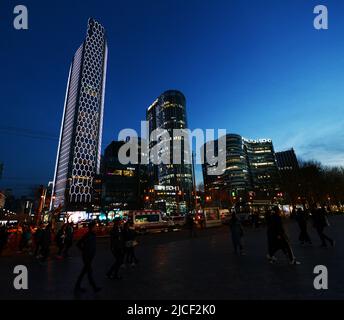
253	67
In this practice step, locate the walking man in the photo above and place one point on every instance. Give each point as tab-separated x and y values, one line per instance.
277	238
68	239
301	219
46	242
38	237
129	235
60	241
237	234
117	244
190	223
87	245
3	238
320	223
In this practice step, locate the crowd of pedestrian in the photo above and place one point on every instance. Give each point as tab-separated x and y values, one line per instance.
37	241
277	238
122	246
3	238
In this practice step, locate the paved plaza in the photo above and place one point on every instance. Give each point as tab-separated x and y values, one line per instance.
173	266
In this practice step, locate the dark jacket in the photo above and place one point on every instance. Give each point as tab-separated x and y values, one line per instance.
39	235
190	221
129	234
319	218
46	237
236	228
117	240
87	244
301	218
3	235
69	234
275	227
60	237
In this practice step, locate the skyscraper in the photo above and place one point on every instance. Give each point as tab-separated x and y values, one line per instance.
250	168
263	167
79	149
236	176
123	185
172	183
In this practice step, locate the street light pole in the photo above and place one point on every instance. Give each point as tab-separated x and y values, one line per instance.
194	179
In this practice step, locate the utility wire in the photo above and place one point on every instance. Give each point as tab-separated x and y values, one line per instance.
29	133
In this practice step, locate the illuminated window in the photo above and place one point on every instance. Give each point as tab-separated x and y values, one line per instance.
128	173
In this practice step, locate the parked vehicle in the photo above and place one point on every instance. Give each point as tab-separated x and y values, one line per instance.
210	216
150	221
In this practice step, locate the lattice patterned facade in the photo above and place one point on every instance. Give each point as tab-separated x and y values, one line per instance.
79	151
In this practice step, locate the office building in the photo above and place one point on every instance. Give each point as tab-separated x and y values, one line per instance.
79	149
263	169
286	160
123	185
251	170
171	183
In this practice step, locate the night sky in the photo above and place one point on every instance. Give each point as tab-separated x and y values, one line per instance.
254	67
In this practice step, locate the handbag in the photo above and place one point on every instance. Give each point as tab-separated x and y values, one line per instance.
131	243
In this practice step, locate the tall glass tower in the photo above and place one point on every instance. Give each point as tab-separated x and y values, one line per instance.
172	183
79	149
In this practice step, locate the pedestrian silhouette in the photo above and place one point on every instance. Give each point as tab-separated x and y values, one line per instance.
38	237
117	246
320	223
237	234
190	224
301	218
277	238
3	238
130	244
87	245
69	233
46	242
60	241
